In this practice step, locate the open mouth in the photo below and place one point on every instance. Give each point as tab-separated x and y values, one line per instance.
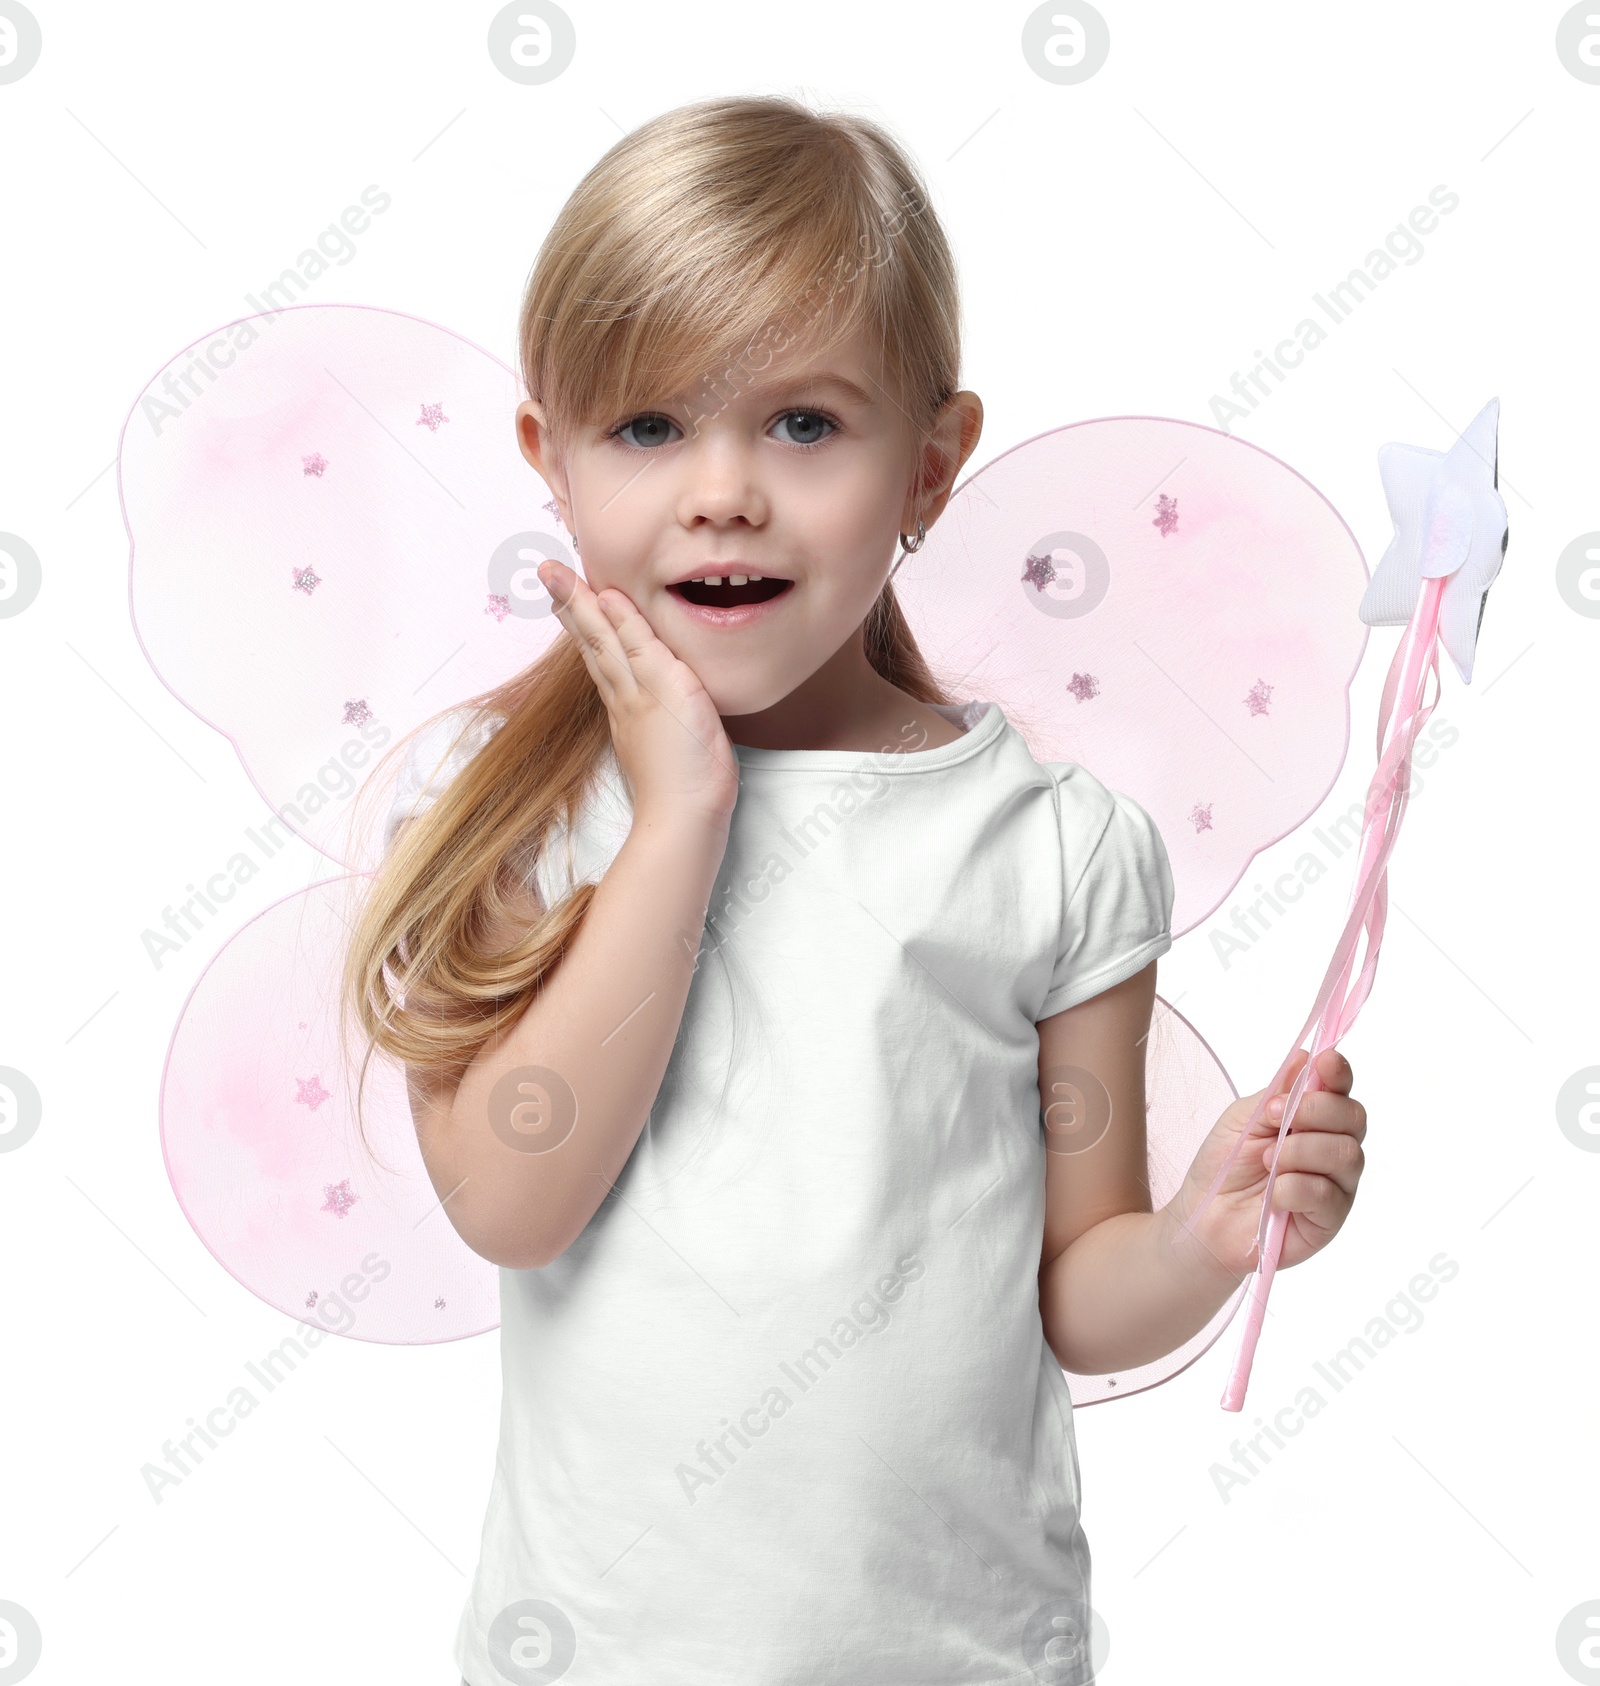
730	591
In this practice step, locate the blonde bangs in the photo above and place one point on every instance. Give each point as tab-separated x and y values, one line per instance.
716	235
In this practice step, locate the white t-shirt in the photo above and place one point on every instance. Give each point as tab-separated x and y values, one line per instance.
784	1412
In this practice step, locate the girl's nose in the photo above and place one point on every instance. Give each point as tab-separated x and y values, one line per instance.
722	484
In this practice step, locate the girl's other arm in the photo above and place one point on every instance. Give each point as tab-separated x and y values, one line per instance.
1119	1284
1113	1293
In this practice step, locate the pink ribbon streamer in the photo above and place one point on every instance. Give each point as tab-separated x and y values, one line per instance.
1401	717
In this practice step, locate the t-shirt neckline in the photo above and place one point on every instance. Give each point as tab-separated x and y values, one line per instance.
979	734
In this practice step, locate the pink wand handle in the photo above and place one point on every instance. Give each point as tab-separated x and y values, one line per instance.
1401	717
1256	1303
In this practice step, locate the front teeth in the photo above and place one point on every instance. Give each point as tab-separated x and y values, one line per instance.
733	579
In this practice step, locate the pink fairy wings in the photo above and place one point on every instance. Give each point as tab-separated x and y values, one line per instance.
1450	538
332	542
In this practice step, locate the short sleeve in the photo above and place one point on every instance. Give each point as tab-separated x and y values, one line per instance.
437	753
1118	890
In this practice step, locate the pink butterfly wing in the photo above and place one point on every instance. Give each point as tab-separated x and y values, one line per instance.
1168	606
332	536
262	1148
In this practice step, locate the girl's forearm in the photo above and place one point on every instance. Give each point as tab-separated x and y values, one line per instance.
1122	1295
605	1024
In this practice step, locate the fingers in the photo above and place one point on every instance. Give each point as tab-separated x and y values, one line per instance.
1334	1070
1323	1109
1334	1080
577	601
1317	1156
1317	1200
628	662
634	633
585	616
560	581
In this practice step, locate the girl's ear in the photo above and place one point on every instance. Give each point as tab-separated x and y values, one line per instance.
952	439
537	443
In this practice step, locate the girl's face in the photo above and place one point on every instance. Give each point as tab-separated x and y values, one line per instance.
754	526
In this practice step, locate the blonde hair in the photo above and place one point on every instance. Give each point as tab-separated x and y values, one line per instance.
709	232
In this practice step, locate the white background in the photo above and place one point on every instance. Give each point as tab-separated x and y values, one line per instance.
1125	245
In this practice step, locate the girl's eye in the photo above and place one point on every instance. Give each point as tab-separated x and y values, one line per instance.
652	431
648	431
809	421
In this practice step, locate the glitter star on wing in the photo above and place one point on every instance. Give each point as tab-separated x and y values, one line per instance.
1450	522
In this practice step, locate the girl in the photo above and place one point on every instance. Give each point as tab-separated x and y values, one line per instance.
730	956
